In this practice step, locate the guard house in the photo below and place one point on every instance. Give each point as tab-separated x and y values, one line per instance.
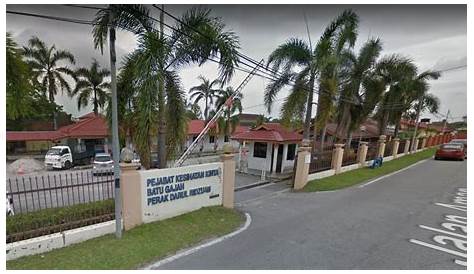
271	147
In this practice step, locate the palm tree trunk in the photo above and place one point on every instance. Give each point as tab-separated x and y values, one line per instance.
95	102
161	113
323	137
205	110
309	107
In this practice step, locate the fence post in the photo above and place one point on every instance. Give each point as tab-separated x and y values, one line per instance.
415	146
396	143
302	166
407	147
381	147
228	177
131	191
423	143
337	154
362	153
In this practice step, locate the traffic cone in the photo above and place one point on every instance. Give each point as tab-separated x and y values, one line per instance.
20	170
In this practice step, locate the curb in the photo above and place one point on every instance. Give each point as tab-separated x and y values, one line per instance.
192	250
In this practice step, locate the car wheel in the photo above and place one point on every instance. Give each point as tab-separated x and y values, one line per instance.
67	165
436	158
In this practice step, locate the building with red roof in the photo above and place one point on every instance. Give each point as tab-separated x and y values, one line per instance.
270	147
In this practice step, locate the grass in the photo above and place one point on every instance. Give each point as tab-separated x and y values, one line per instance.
55	216
139	246
358	176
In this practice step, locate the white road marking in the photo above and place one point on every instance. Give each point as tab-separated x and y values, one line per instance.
442	231
196	248
393	173
456	253
463	263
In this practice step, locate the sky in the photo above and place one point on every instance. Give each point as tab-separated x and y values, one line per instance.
433	36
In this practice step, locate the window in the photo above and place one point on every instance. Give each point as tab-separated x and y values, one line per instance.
260	150
226	138
291	152
211	139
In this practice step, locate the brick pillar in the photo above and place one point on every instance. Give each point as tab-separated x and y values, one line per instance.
407	147
381	146
362	153
228	176
131	191
337	154
302	167
396	143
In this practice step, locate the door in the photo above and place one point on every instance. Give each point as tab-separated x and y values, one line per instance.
279	158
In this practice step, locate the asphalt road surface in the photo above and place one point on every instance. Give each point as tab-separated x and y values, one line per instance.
370	227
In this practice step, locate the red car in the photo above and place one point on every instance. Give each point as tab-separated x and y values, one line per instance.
451	151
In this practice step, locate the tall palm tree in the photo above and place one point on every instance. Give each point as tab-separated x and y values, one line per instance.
397	73
46	64
302	64
160	101
361	89
205	91
233	108
91	85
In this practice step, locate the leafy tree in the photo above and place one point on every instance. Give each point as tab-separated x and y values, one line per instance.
159	102
193	111
205	91
19	88
361	89
229	121
47	69
92	85
303	64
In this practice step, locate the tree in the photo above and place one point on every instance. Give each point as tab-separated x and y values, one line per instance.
45	63
19	88
302	64
91	85
193	111
228	122
361	90
159	99
206	92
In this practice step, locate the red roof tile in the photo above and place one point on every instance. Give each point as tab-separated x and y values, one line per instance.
269	132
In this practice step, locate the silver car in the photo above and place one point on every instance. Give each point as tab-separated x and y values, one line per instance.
103	164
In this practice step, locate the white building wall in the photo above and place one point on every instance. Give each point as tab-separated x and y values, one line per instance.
259	163
209	147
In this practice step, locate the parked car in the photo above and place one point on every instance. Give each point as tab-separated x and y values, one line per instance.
451	151
459	141
103	164
62	157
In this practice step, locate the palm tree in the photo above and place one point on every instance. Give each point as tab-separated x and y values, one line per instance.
91	84
45	63
302	64
159	99
193	111
206	92
233	108
361	89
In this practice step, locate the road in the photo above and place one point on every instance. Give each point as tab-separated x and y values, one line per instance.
366	227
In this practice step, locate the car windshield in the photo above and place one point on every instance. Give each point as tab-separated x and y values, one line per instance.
102	158
451	146
53	151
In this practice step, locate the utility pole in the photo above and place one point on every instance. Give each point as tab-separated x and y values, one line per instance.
161	106
420	102
445	121
309	104
115	139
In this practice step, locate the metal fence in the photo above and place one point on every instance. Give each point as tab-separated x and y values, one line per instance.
388	149
372	149
52	203
321	160
349	156
401	146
